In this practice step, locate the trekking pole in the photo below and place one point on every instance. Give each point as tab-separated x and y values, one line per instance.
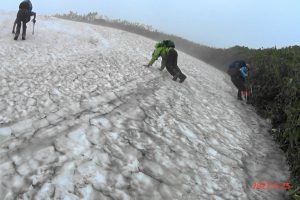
33	29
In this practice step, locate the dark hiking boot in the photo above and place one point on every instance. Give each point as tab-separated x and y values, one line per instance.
16	37
23	38
239	95
175	77
181	80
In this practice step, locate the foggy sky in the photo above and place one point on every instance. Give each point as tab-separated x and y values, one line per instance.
218	23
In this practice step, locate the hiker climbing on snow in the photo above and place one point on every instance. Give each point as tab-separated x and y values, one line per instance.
29	11
161	50
23	17
238	72
166	51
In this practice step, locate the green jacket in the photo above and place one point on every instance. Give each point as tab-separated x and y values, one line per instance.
160	52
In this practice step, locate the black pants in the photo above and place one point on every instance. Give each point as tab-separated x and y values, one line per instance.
172	66
22	18
239	84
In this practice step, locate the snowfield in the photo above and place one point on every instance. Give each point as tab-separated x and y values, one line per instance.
81	118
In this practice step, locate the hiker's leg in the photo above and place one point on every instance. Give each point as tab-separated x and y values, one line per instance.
18	29
14	27
179	72
24	29
176	72
241	88
182	77
239	85
171	62
28	18
235	81
170	69
19	21
239	95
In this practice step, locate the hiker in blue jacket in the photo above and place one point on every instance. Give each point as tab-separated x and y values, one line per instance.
238	72
24	14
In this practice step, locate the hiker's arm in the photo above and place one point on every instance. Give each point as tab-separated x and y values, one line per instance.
33	14
155	56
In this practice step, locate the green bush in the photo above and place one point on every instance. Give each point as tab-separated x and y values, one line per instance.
275	80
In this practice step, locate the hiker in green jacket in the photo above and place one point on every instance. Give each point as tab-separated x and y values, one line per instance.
166	50
160	51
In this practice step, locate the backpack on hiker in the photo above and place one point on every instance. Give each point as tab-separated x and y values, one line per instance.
168	43
234	68
25	5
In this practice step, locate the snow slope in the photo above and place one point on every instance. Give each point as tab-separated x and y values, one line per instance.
82	119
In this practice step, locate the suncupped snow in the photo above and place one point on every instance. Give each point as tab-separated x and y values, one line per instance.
81	118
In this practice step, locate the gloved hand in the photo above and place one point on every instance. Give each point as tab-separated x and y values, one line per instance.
34	21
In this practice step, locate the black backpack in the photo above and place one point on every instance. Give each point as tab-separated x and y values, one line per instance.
24	5
168	43
234	68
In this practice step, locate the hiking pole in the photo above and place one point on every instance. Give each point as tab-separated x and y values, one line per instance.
33	29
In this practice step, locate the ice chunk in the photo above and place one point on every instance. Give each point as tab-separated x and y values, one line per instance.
22	126
187	132
6	131
64	180
46	155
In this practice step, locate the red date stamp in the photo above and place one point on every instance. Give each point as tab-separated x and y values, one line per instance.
271	185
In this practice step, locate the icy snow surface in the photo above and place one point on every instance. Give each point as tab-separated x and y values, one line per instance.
81	118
